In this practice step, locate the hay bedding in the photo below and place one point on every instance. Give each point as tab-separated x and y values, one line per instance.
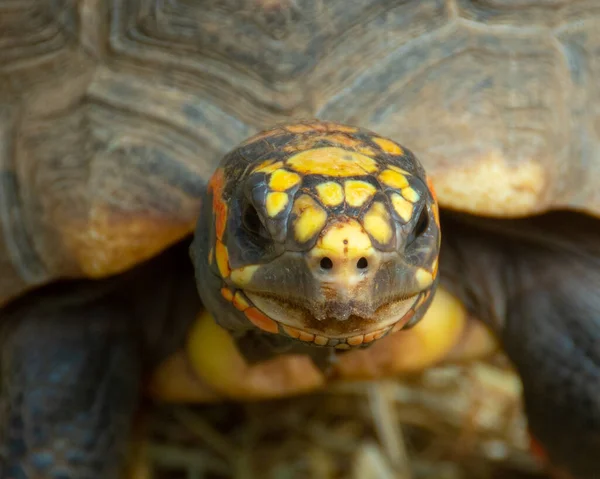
451	422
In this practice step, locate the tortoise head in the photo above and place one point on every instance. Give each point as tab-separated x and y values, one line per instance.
324	233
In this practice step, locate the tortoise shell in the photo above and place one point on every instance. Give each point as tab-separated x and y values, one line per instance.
113	115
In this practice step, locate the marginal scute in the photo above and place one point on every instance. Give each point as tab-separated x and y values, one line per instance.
332	161
310	218
358	192
377	223
491	186
330	193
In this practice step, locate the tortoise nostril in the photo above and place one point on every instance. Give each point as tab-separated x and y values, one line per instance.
362	263
326	263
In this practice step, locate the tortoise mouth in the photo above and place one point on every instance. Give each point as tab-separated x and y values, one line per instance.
297	321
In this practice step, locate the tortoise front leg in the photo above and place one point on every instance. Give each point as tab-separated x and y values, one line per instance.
535	281
70	386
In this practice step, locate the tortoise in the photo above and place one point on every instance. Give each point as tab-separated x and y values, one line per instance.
116	115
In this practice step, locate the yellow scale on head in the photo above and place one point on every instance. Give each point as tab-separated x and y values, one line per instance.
388	146
393	179
377	222
280	181
330	193
276	203
403	208
310	218
358	192
332	161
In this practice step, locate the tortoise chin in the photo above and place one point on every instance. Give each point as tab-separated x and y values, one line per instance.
339	324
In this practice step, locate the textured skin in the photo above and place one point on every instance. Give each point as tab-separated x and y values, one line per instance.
73	359
70	382
535	282
114	114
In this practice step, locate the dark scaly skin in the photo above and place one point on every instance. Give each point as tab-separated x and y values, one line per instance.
74	357
535	281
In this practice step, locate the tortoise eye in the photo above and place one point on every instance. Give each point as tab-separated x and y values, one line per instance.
253	223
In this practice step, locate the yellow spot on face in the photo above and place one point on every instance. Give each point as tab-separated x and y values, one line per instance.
436	213
242	276
330	193
227	294
393	179
240	302
262	165
377	223
276	202
388	146
434	267
282	180
424	278
300	128
410	194
344	238
222	259
402	207
310	218
344	128
332	161
399	170
261	321
268	166
357	192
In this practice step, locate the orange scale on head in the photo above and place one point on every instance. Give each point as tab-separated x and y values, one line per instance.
261	321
